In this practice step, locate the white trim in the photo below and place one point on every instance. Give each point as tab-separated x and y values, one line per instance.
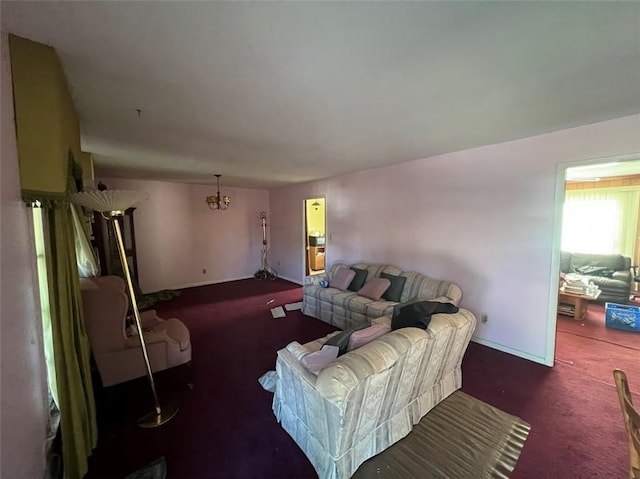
301	283
507	349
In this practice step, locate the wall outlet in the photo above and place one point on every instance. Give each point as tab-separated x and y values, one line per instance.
484	318
204	271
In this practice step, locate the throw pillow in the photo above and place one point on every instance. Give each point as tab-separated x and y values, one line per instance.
365	336
375	288
341	340
395	290
315	362
359	279
418	314
342	279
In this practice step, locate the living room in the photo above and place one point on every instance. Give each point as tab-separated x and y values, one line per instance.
483	214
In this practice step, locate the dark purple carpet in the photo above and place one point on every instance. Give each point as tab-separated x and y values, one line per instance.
225	428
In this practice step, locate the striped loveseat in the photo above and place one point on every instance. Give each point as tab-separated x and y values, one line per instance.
346	309
371	397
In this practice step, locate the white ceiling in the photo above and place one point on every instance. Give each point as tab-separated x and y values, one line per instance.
273	93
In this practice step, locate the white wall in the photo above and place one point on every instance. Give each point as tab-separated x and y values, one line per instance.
23	391
177	235
482	218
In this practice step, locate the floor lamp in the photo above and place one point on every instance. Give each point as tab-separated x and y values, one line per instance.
112	204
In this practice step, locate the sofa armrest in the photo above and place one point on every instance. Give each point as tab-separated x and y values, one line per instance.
315	279
340	378
454	293
622	276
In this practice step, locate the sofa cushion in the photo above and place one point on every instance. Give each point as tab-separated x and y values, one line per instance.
615	262
342	279
420	286
375	288
335	296
418	314
356	303
591	270
364	336
359	279
375	309
395	289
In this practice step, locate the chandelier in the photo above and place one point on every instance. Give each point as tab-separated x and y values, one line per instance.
218	202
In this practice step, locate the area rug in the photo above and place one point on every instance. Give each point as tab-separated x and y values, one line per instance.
461	437
156	470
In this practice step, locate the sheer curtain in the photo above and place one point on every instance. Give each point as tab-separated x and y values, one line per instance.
88	266
601	221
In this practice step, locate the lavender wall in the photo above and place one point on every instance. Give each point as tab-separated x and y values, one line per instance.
23	389
177	235
483	218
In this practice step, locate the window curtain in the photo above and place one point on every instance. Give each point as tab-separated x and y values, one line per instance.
71	345
71	350
603	221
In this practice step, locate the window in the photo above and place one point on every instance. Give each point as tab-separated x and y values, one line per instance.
600	221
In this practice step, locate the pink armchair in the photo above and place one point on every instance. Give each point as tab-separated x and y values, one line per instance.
118	355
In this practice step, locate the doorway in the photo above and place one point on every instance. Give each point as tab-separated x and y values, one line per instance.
314	234
583	226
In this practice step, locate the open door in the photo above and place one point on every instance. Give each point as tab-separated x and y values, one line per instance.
315	240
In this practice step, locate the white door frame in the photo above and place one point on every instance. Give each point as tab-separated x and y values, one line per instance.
554	281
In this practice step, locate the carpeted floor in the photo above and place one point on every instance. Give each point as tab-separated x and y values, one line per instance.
593	327
226	429
461	437
156	470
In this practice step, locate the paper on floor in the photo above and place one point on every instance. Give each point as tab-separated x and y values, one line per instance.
293	306
278	312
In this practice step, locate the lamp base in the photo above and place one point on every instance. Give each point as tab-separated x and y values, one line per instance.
167	411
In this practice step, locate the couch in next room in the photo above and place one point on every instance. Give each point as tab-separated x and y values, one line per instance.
610	272
347	309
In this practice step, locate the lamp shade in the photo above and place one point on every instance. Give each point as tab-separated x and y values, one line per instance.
108	200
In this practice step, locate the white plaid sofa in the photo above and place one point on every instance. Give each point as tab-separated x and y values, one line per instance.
371	397
345	309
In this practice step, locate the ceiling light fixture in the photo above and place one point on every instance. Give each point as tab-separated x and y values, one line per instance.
218	202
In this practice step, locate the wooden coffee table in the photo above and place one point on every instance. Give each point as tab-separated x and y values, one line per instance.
571	304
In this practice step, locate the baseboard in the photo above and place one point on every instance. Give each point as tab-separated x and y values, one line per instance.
296	281
200	283
513	351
